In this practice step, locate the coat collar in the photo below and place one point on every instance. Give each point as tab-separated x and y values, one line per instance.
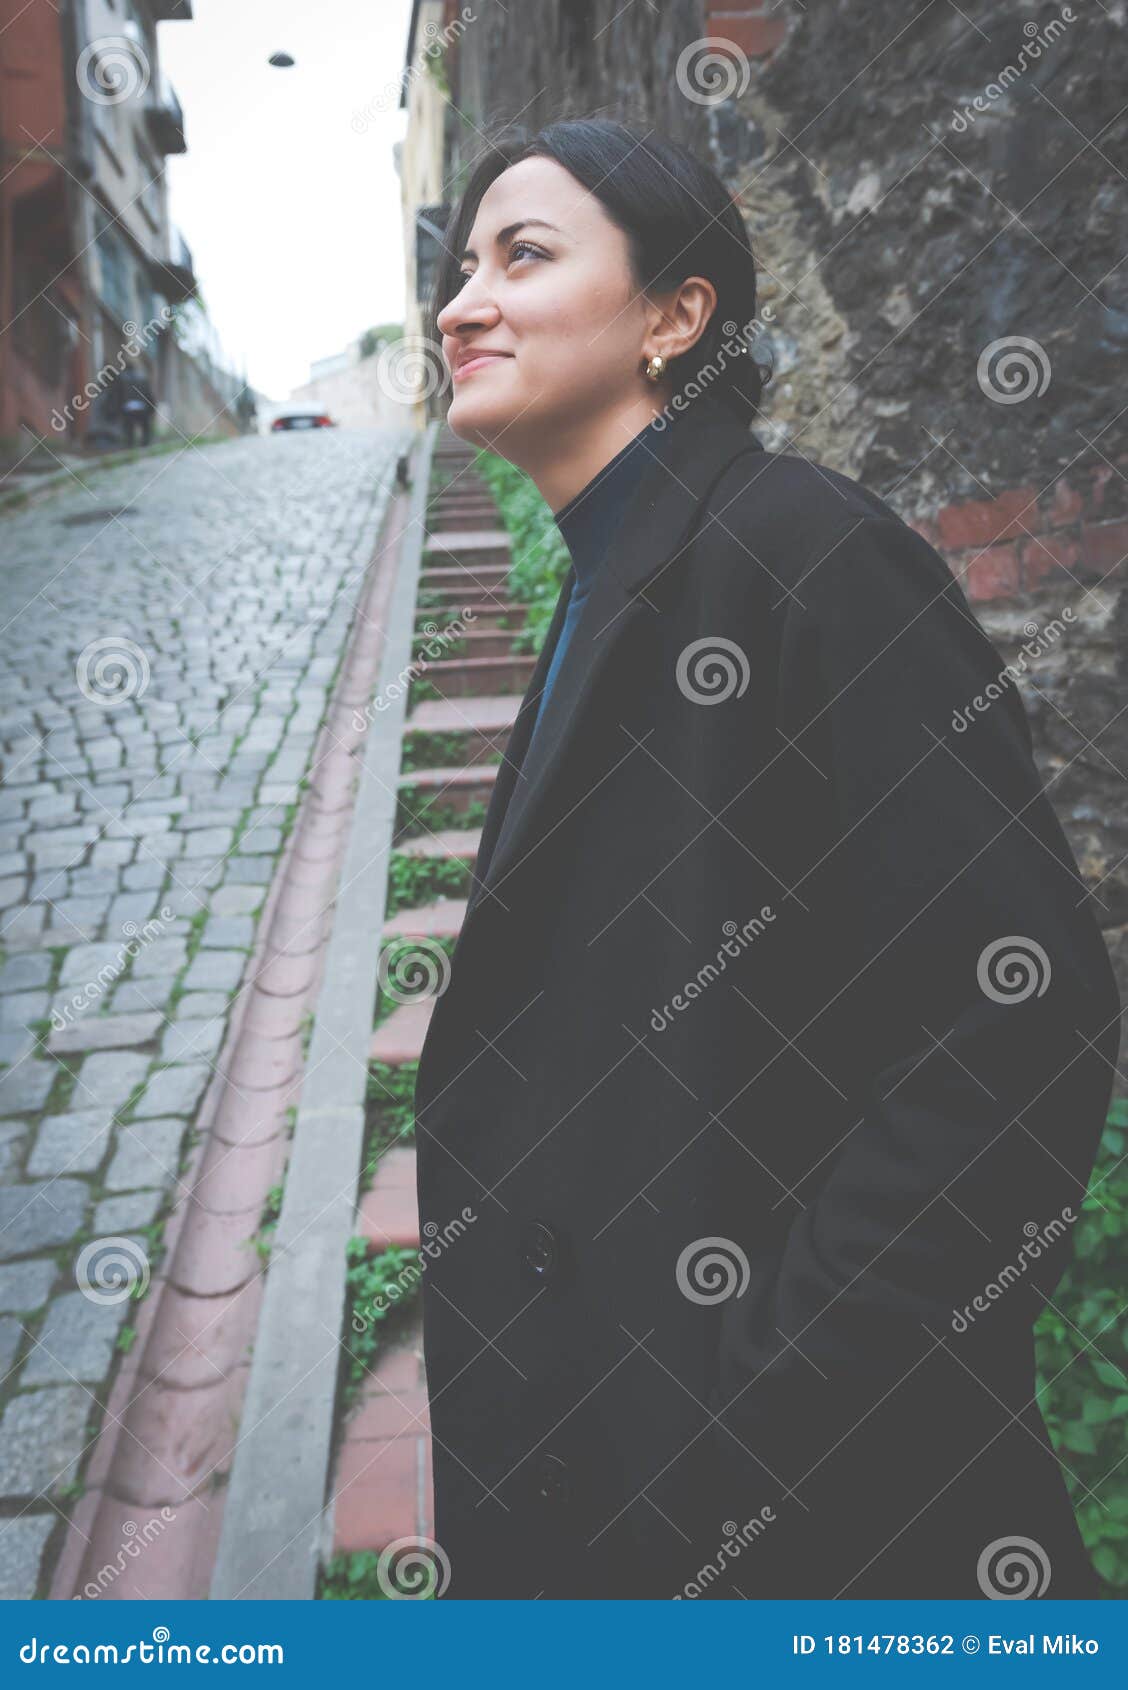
656	523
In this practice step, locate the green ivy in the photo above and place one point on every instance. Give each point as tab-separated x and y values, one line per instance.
351	1576
540	557
1082	1369
380	1289
435	65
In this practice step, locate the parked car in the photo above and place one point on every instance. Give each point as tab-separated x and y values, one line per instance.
301	419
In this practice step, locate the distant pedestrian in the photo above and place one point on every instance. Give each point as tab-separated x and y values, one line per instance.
246	410
136	405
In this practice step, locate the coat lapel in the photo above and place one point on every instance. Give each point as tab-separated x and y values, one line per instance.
655	526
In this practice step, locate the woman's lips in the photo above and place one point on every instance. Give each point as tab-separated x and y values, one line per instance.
478	363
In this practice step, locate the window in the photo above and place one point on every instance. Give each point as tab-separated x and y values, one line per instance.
150	199
116	293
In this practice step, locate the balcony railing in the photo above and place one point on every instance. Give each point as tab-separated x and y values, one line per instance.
175	276
165	118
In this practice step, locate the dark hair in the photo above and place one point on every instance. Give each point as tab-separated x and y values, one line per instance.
679	220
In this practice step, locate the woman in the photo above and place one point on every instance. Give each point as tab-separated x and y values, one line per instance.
779	1023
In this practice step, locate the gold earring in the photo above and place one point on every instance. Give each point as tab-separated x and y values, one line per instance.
655	366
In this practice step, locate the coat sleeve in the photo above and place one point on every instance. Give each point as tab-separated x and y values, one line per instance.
970	971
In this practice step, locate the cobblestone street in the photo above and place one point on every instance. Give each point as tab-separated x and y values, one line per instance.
171	634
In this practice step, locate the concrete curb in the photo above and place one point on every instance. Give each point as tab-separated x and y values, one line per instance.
274	1519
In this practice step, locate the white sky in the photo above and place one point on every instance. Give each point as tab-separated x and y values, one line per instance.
288	194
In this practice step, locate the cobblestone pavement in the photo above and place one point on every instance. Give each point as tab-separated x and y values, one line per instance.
168	641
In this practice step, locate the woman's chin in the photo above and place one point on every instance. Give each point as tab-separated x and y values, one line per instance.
476	420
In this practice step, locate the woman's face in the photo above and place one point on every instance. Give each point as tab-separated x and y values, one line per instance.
549	293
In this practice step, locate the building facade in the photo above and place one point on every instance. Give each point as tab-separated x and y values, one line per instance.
93	270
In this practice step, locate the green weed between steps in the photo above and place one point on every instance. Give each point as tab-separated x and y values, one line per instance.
423	647
420	691
381	1291
439	751
268	1223
417	880
540	557
389	1108
354	1577
418	814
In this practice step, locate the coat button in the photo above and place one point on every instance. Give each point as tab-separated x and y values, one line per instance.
538	1250
552	1479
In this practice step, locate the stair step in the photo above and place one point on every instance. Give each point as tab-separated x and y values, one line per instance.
470	677
472	538
481	736
458	787
394	1177
442	518
399	1039
507	617
457	574
484	714
460	777
469	593
465	587
466	557
494	616
452	844
388	1414
383	1485
489	642
441	919
450	604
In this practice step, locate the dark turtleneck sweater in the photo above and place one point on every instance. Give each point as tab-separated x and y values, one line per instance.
588	523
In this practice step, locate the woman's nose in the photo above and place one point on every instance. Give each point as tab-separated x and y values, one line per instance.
465	310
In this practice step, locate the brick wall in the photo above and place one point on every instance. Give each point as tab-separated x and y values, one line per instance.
1075	530
757	30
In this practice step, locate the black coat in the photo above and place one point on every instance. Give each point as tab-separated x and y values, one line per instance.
738	1096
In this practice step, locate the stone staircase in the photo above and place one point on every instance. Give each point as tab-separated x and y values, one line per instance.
382	1484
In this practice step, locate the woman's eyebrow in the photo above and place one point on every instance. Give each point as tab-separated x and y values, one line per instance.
511	229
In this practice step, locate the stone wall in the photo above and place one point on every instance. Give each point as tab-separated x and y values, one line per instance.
936	201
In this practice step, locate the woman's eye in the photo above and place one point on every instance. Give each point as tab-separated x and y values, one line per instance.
516	250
